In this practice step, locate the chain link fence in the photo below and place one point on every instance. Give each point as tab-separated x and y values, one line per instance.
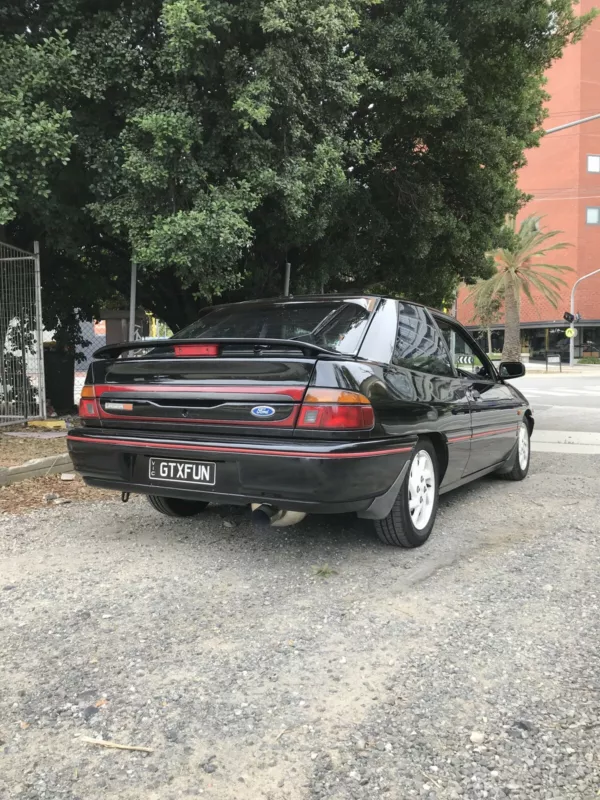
22	389
93	336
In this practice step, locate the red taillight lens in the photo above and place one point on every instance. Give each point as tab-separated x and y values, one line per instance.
334	409
336	417
88	408
196	350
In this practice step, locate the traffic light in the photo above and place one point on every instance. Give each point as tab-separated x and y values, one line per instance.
570	318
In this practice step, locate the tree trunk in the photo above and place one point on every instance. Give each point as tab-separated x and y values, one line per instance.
512	327
489	338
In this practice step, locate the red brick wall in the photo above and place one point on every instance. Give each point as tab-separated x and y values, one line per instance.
557	177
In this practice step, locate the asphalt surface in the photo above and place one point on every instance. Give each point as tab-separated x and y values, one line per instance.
310	662
566	409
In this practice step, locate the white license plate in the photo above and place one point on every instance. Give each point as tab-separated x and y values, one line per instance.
198	473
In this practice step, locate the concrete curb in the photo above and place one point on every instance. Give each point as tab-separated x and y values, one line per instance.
36	468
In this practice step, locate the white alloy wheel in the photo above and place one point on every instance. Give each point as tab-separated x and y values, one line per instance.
523	446
421	489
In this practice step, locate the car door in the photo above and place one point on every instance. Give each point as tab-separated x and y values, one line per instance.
424	394
495	409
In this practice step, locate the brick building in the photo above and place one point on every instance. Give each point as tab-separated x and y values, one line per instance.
563	175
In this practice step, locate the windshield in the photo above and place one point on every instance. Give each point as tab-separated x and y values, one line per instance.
337	325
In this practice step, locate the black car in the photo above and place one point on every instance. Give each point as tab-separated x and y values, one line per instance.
325	404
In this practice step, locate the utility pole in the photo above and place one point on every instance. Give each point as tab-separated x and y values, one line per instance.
572	340
132	300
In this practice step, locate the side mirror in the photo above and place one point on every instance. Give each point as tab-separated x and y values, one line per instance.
510	369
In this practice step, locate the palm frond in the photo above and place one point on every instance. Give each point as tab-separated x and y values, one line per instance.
523	265
551	294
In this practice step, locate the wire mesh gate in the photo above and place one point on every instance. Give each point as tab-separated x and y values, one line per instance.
22	389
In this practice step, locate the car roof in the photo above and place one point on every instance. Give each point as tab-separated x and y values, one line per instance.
296	298
313	298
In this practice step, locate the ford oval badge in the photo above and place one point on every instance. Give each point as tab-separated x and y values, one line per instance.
262	411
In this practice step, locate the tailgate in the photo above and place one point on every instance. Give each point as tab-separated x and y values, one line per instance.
242	388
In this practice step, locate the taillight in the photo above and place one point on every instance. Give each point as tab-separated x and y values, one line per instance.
196	350
336	409
88	405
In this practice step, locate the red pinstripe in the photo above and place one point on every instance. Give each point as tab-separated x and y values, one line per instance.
237	450
511	429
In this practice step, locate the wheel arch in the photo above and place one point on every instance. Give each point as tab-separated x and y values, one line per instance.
530	421
440	445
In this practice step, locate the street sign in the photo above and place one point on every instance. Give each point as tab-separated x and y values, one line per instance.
571	333
553	359
570	318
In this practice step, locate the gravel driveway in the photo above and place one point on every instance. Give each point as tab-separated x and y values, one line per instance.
469	668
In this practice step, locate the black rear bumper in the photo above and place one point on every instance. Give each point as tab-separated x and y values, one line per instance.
316	477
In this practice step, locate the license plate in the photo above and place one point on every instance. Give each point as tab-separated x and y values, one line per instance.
199	473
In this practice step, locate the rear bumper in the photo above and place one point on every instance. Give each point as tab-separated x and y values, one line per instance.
316	477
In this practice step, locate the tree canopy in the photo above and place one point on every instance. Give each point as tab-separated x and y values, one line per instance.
373	145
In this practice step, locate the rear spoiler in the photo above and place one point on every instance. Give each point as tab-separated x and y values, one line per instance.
114	350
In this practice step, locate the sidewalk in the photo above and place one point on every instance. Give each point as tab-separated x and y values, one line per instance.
539	367
570	442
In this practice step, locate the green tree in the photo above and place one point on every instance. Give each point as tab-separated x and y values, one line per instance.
519	271
211	142
371	145
455	99
35	131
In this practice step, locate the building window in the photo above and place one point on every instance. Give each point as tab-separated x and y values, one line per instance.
593	163
592	216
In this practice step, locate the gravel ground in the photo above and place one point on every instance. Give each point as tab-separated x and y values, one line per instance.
50	489
467	669
16	450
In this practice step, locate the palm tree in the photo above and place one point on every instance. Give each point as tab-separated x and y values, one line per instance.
519	271
486	312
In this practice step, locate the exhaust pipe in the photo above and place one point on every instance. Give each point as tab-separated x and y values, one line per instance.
264	514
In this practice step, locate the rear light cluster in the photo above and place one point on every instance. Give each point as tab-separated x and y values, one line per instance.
334	409
88	405
322	409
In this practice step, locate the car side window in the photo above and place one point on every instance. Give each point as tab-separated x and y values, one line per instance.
419	345
466	358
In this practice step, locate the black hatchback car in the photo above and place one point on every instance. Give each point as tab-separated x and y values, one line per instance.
323	404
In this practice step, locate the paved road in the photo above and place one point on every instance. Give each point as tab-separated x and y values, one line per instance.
567	411
467	669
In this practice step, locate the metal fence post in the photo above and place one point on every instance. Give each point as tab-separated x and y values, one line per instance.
39	330
21	337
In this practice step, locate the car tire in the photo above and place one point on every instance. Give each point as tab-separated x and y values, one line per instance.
174	507
520	468
406	527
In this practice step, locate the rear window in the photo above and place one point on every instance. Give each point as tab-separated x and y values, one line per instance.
336	325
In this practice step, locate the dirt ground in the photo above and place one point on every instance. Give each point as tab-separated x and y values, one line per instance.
27	495
15	450
306	663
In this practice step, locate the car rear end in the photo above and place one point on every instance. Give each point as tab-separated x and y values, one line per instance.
252	404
